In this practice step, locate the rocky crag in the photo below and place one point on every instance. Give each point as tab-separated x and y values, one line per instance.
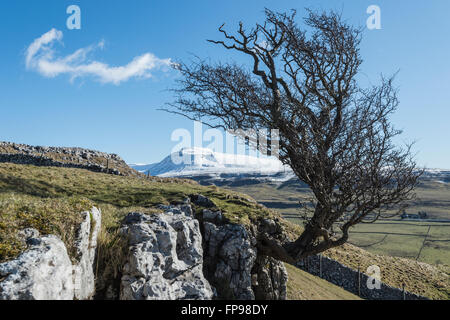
165	258
46	272
64	157
174	254
234	265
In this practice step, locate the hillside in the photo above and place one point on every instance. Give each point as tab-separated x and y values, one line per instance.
46	197
304	286
61	156
28	199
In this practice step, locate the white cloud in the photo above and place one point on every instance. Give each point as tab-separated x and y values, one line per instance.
41	57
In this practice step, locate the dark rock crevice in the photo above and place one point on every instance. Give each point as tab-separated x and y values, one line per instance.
234	262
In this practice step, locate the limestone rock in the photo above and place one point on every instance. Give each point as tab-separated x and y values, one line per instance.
165	260
212	216
229	258
43	272
233	264
271	279
27	235
86	245
185	209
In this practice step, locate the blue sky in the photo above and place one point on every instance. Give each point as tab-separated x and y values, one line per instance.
123	117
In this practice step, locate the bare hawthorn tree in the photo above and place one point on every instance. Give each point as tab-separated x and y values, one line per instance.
335	135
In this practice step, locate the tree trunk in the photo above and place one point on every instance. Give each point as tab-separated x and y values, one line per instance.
299	248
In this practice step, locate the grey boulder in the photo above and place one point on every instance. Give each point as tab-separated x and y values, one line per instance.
86	245
43	272
165	259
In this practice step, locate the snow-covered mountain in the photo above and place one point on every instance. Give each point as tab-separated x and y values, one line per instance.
189	162
208	166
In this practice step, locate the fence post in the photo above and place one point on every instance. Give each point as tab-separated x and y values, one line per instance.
404	293
320	265
359	279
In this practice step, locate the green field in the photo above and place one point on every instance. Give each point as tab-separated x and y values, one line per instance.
404	239
423	241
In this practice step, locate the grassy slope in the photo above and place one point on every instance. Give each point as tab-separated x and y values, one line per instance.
304	286
50	199
418	277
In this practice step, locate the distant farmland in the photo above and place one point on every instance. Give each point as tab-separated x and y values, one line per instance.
423	241
408	239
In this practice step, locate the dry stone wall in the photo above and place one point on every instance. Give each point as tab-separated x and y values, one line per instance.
64	157
47	162
352	280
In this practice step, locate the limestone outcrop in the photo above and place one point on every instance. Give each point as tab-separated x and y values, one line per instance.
165	259
185	252
271	279
230	256
43	272
46	272
86	245
172	255
235	267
